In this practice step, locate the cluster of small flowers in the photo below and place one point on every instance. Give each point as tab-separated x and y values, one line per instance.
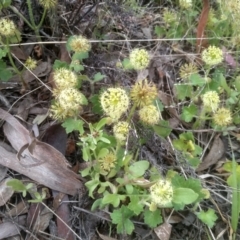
221	116
161	194
9	30
212	55
139	58
185	4
68	99
115	102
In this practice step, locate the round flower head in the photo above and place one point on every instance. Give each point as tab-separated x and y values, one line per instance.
48	3
211	100
187	70
31	63
79	44
139	58
65	78
212	55
121	130
143	93
185	4
161	193
222	117
114	102
7	27
60	113
149	115
71	98
108	162
169	16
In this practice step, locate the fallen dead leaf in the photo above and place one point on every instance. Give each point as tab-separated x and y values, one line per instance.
202	43
38	160
9	229
163	231
216	152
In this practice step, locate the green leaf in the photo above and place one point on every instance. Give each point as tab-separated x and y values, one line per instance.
5	74
121	217
102	153
113	199
159	31
101	123
98	77
5	3
71	125
80	56
197	80
188	113
184	195
3	52
60	64
135	205
152	219
16	185
129	188
92	185
76	66
163	129
209	217
96	106
183	91
126	64
137	169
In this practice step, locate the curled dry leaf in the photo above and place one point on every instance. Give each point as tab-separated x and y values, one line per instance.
38	160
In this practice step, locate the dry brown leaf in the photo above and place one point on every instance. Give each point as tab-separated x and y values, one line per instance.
9	229
216	152
48	165
19	209
5	191
41	70
202	25
163	231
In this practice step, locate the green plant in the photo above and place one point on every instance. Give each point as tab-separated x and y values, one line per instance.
19	186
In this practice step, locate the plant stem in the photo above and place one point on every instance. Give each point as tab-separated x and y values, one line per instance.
235	196
21	16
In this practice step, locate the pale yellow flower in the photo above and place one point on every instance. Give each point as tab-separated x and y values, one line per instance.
7	27
65	78
185	4
222	117
187	70
139	58
212	55
31	63
149	115
143	93
121	130
71	98
108	162
161	193
79	44
211	100
114	102
48	3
